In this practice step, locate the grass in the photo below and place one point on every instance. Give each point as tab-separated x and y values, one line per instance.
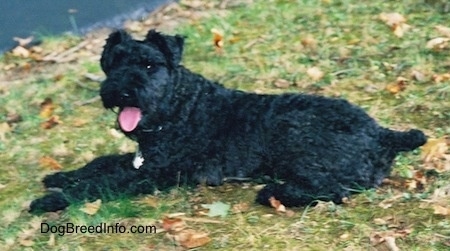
264	41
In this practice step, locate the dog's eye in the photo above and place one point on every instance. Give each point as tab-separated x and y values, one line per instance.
149	66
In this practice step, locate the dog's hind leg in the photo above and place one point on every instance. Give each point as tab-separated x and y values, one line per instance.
291	195
402	141
304	188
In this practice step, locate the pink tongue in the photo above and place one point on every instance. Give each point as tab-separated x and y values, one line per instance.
129	118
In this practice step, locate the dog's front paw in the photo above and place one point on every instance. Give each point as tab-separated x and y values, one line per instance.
49	203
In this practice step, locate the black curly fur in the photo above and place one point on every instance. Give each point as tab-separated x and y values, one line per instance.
194	130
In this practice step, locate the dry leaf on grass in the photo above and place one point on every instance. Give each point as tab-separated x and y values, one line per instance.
49	163
51	241
282	83
151	201
441	210
438	43
217	209
386	240
240	207
418	181
26	236
91	208
418	76
218	39
20	51
439	201
396	22
178	231
443	30
435	154
398	86
315	73
173	224
438	78
387	203
4	129
79	122
190	238
47	108
51	122
309	42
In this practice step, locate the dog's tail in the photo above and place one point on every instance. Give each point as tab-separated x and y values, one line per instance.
402	141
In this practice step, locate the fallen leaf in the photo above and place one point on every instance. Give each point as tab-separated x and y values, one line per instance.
9	216
392	19
400	30
282	83
344	236
315	73
441	210
396	22
20	51
277	205
217	209
398	86
51	241
390	242
4	129
79	122
418	181
443	30
309	42
178	231
193	239
379	221
387	203
91	208
217	39
151	201
290	213
386	240
26	242
438	43
47	108
173	224
438	78
26	236
51	122
417	75
441	194
49	163
324	206
435	148
240	207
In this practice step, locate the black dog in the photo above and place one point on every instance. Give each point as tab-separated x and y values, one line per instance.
191	130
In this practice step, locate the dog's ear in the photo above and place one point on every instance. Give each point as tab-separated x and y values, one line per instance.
114	39
171	46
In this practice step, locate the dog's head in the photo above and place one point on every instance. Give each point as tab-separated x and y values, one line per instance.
138	75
